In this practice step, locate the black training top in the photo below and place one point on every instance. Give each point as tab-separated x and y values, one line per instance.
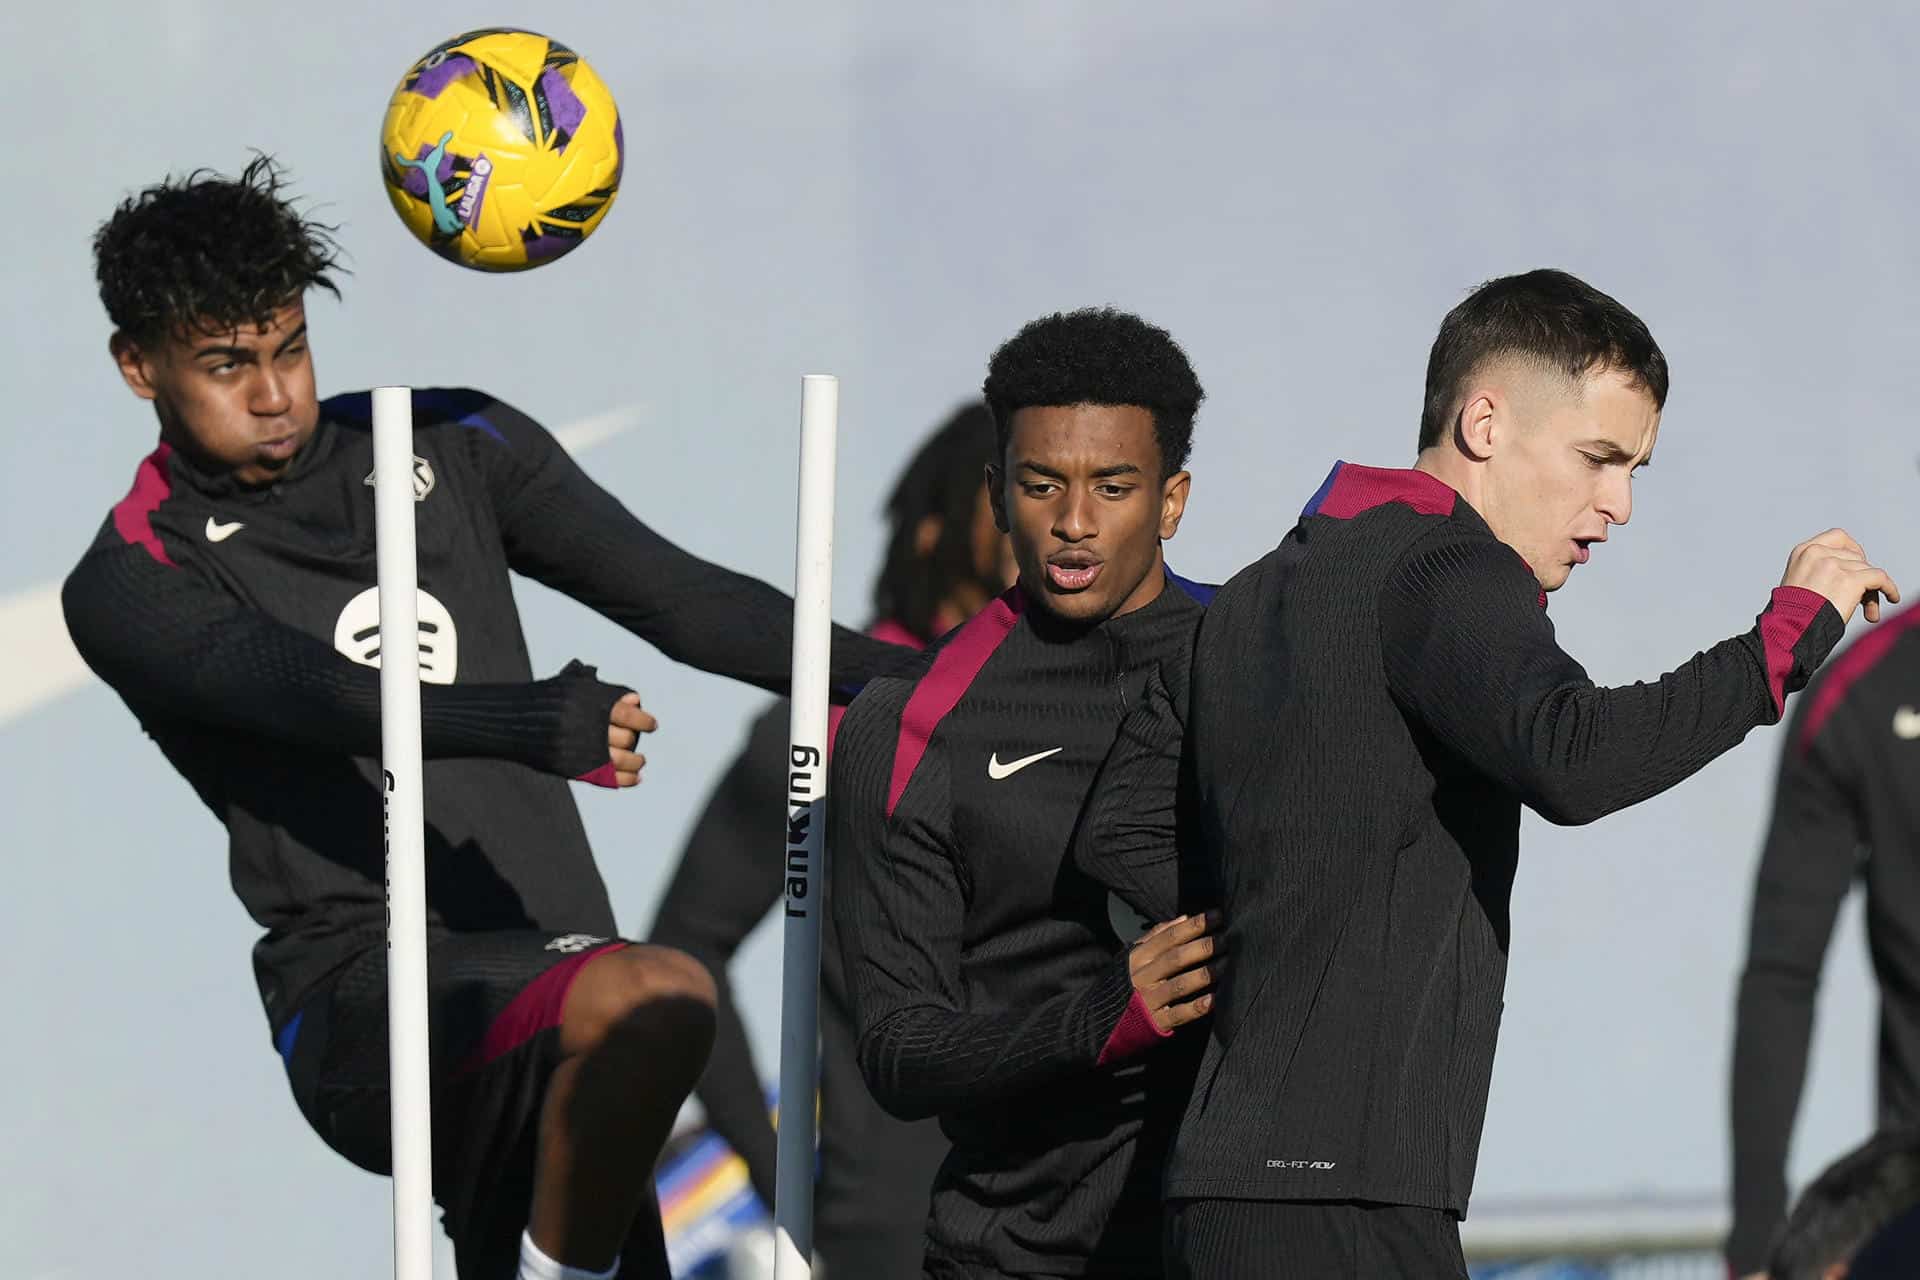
984	932
241	627
1847	805
1373	701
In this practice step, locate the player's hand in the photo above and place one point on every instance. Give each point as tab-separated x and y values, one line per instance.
1172	968
625	723
1835	565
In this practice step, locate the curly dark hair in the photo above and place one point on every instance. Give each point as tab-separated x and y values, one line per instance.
1549	316
209	253
945	479
1098	356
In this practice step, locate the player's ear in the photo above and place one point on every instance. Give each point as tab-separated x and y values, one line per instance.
926	536
1473	430
1173	502
132	362
997	497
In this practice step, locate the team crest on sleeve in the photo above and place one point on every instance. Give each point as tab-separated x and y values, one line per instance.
356	633
422	478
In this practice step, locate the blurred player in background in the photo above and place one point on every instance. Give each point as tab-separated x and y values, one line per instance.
1373	702
230	600
991	975
1859	1219
945	560
1846	807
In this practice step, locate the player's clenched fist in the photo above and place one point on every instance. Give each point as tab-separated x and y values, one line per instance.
1172	968
625	723
1835	565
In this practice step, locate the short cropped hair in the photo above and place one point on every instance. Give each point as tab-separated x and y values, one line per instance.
1550	317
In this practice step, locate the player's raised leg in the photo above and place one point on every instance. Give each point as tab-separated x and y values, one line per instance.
227	599
635	1033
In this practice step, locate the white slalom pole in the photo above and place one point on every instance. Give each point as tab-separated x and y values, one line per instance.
404	818
806	830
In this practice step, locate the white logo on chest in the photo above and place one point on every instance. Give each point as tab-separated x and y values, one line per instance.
217	532
422	478
1906	723
997	771
356	633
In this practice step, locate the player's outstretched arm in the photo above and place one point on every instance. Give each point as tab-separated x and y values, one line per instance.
899	901
1127	840
1811	856
562	529
175	647
1471	654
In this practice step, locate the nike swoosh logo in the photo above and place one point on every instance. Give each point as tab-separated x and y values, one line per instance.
217	532
1906	723
997	771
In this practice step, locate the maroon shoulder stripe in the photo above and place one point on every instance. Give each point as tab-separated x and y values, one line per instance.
1865	654
892	633
945	683
1350	490
133	514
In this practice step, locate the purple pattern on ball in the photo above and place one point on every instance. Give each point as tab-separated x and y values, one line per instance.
565	105
434	80
547	248
619	152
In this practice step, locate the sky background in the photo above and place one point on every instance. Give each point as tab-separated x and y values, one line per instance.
885	192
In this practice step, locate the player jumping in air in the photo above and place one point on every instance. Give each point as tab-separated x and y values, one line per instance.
230	600
945	560
987	958
1373	702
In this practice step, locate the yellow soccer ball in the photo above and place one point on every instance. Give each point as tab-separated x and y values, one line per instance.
501	150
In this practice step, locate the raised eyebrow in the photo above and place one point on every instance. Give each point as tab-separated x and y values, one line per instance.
224	352
292	338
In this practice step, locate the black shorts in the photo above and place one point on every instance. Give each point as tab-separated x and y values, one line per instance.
870	1200
494	1002
1310	1239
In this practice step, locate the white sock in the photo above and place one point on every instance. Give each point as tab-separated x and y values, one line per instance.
535	1265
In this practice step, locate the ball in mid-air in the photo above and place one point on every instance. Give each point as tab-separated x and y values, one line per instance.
501	150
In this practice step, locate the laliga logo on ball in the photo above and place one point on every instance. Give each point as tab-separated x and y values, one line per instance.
501	150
